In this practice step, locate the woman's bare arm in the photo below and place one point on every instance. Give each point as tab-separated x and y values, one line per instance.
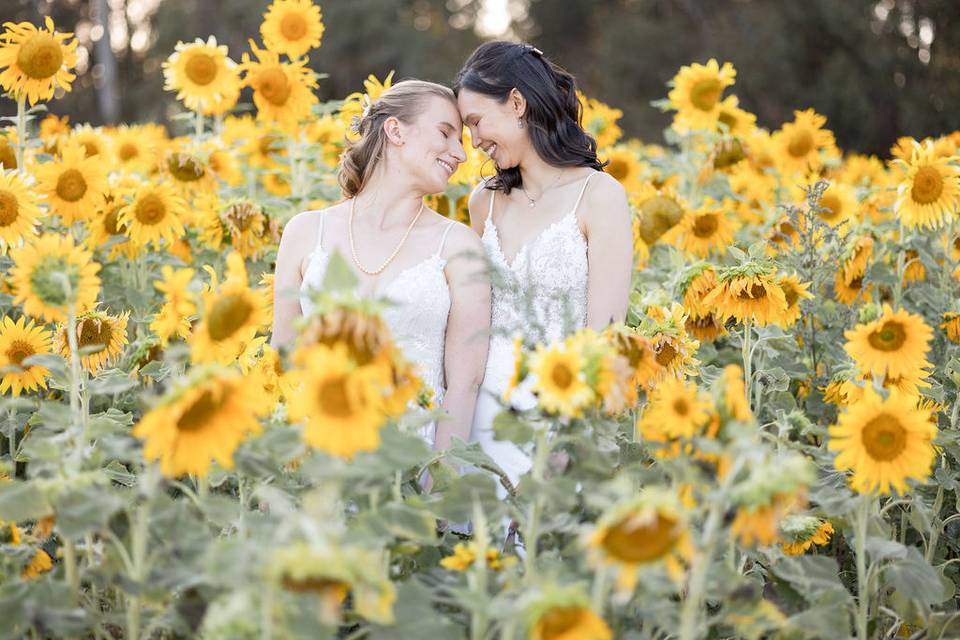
468	326
606	217
298	236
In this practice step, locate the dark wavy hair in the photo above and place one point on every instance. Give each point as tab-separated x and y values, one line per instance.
554	113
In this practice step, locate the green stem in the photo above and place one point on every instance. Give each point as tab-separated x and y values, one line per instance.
936	526
198	125
860	542
747	361
477	578
898	285
599	589
71	570
12	419
540	453
138	556
21	131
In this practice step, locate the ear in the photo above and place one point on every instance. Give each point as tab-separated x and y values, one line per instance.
517	102
391	127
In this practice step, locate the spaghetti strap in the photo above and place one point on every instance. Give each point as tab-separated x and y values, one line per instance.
493	193
443	238
582	190
319	245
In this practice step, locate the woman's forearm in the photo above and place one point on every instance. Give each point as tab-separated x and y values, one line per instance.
459	403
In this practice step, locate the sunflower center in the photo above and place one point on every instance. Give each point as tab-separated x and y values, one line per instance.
801	144
150	209
110	222
561	376
728	153
884	437
19	351
317	584
8	155
755	292
665	354
197	415
618	169
274	86
293	26
831	207
639	538
46	280
705	94
927	185
267	144
201	68
559	622
40	57
681	407
94	332
185	168
228	314
90	148
658	215
71	185
9	208
334	399
128	151
705	225
790	294
889	337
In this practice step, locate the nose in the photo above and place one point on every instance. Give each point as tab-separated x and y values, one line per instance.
458	152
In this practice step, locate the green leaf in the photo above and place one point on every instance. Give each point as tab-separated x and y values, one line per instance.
879	549
507	425
111	382
811	575
456	503
82	510
338	275
415	617
914	578
109	422
22	501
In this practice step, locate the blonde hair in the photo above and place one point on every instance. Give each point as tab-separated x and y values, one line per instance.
402	101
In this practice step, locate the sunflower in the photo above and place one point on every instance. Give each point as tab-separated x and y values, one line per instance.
951	324
53	131
8	148
93	141
600	120
802	532
913	269
884	442
560	382
100	335
930	191
134	150
206	418
38	273
657	213
894	345
232	315
676	409
281	90
696	94
860	170
838	204
706	229
74	185
18	341
19	210
757	298
465	555
340	402
624	165
758	524
153	215
35	61
202	74
798	144
647	531
353	104
570	622
857	259
736	121
793	292
292	27
190	173
173	319
640	354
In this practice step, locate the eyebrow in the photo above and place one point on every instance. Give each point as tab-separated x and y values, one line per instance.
448	126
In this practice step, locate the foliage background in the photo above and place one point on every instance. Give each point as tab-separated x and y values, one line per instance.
878	69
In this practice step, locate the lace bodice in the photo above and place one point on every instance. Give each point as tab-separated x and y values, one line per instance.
417	317
541	294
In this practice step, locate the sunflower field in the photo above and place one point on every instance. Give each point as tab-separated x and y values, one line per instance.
767	448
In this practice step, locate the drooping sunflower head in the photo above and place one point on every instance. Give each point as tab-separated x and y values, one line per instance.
292	27
930	191
884	442
752	295
697	92
100	338
657	212
894	345
794	292
203	75
35	61
19	340
51	273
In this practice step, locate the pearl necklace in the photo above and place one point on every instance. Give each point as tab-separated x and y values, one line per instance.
353	248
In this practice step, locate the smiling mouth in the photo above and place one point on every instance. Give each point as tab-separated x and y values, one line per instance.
446	165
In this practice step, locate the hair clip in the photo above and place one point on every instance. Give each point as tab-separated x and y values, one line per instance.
535	50
356	121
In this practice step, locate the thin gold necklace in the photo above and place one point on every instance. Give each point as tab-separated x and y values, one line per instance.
532	202
353	248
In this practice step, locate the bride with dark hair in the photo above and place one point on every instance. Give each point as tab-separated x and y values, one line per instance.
555	226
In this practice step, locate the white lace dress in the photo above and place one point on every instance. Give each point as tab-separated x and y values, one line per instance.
542	294
417	319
